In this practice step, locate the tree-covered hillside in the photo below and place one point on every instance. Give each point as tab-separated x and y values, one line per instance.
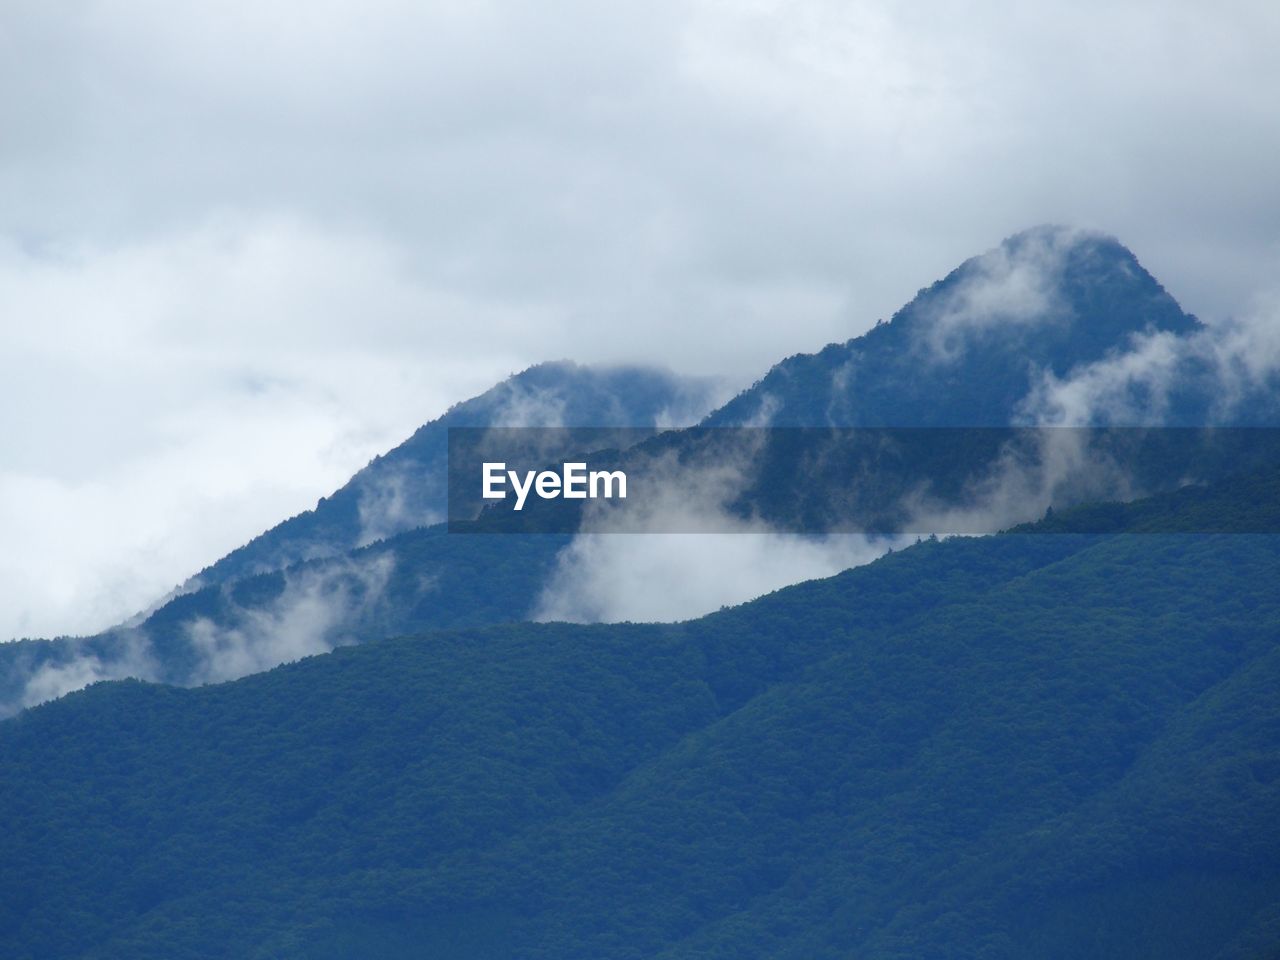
1032	745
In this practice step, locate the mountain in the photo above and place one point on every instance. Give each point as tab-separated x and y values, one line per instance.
973	349
364	563
968	350
406	488
1035	745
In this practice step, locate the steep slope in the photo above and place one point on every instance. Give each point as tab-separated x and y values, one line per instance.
1017	746
968	350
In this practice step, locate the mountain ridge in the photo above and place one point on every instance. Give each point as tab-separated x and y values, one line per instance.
1011	288
404	488
991	303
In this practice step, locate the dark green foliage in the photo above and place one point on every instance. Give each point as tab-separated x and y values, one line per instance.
432	580
1245	503
1019	747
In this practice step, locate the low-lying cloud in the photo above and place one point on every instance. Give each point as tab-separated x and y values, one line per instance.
638	574
318	607
315	612
677	576
130	657
1220	374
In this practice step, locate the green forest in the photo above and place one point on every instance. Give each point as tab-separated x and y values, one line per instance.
1034	745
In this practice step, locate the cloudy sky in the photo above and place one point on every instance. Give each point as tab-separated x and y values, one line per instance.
245	245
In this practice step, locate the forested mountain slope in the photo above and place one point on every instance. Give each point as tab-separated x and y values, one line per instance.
1029	745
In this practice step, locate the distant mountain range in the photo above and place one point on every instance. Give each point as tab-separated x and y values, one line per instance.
1049	314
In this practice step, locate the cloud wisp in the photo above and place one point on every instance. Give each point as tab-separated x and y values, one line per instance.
1008	287
315	612
76	667
1225	373
317	607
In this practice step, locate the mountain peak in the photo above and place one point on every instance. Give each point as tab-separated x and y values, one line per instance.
966	350
1049	279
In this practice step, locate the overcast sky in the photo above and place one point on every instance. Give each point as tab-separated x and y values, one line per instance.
247	244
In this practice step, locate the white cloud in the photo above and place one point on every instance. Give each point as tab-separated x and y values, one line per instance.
317	609
676	576
168	401
1230	362
54	679
313	614
644	572
244	246
1007	286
